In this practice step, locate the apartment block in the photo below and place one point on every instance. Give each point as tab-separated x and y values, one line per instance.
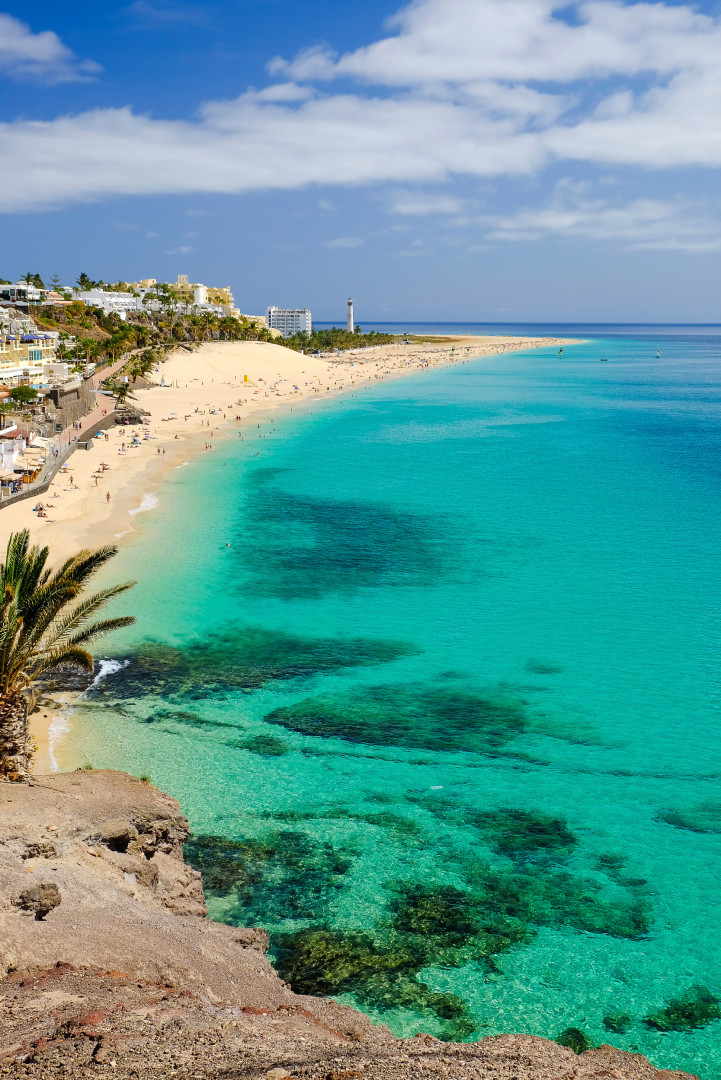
289	321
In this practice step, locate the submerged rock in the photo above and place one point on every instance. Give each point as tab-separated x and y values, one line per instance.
695	1009
575	1040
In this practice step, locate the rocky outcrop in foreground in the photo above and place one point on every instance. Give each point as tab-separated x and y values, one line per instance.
110	965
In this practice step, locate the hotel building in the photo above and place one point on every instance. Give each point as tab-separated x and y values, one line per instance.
289	321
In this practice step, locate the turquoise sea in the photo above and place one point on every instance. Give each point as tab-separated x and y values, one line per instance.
444	716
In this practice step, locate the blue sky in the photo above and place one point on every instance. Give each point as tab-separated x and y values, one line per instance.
484	160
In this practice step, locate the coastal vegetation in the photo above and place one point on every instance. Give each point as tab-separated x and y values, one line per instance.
103	338
46	623
336	338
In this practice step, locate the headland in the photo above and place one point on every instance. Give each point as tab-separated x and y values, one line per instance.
110	966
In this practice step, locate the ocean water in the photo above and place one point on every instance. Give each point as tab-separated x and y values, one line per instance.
433	670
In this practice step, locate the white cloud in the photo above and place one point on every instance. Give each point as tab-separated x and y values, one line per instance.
641	224
424	203
519	41
475	88
243	145
280	92
345	242
28	56
184	249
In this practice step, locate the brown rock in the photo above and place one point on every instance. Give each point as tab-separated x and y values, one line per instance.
40	899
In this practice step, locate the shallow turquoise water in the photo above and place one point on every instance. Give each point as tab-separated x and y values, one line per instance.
450	699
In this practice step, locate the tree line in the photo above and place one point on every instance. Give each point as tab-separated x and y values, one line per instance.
336	338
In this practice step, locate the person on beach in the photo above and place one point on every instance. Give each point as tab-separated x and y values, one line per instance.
107	496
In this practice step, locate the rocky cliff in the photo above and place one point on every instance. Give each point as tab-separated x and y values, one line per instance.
110	965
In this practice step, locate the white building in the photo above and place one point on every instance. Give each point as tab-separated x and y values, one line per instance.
12	443
350	324
117	302
22	293
289	321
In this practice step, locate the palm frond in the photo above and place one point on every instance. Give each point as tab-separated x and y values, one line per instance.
99	629
43	624
86	563
55	658
84	611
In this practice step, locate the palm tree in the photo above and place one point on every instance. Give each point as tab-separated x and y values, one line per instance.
123	393
42	629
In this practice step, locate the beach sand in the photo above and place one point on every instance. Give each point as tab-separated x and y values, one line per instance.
205	398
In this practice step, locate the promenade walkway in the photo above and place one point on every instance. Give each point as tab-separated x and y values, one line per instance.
66	441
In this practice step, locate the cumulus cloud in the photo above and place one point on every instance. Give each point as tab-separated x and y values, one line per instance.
474	88
460	41
43	56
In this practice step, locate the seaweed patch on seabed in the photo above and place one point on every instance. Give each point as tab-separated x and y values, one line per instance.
523	834
288	875
495	908
280	875
237	659
441	925
407	716
298	546
543	667
694	1009
704	818
434	717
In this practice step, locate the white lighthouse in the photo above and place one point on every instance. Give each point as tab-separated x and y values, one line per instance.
350	324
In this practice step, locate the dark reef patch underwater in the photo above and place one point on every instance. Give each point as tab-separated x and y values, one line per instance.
424	718
295	546
284	877
238	658
501	873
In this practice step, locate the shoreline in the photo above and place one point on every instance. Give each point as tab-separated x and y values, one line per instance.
190	415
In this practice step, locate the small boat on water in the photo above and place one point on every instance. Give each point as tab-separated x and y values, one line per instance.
560	352
658	354
603	359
